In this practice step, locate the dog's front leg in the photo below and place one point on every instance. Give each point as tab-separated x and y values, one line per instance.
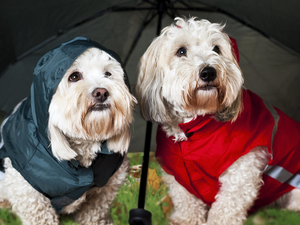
240	186
31	206
188	209
96	209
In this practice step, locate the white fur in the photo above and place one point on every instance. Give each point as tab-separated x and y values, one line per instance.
171	83
169	91
77	132
70	115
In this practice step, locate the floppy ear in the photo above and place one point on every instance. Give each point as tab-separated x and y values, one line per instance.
148	88
120	142
232	112
59	144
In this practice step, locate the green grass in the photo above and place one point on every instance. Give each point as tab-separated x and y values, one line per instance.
8	218
274	216
67	220
127	199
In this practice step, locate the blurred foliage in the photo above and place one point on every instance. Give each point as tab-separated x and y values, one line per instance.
8	218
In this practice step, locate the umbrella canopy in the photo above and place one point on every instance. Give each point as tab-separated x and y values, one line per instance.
267	33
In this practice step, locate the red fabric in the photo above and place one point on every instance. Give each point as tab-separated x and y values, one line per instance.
235	49
286	154
198	162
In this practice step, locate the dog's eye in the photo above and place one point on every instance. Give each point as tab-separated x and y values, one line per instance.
108	74
181	52
216	49
74	77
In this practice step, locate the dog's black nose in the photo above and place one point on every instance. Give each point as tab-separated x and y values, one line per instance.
208	74
100	94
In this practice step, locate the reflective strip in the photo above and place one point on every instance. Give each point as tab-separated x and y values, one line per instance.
278	173
283	176
295	181
276	120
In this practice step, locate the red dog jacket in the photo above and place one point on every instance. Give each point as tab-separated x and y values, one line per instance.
212	146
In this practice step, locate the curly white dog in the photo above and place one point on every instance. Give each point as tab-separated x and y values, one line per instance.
81	100
224	150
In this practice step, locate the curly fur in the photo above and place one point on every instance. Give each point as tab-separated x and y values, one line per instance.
170	83
77	131
170	91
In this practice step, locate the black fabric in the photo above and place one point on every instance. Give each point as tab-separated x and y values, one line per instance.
104	166
1	165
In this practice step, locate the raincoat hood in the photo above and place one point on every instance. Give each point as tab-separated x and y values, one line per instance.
48	73
24	133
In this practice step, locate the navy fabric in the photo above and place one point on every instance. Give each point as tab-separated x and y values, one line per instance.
24	135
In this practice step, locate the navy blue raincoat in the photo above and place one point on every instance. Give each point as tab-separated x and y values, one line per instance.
24	135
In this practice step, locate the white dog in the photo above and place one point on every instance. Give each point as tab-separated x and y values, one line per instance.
216	140
80	100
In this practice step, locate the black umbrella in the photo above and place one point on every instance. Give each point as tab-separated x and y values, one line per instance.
267	33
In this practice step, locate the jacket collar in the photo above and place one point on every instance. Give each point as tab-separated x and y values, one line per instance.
196	123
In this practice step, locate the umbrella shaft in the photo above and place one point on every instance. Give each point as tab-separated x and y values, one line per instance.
143	183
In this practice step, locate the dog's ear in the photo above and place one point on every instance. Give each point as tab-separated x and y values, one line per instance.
148	89
231	112
120	143
59	144
232	103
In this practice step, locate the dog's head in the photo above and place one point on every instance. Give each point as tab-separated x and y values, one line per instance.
189	70
91	102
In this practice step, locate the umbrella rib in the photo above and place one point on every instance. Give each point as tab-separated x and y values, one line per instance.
183	3
174	12
172	3
188	7
172	16
64	30
218	10
139	33
121	9
152	3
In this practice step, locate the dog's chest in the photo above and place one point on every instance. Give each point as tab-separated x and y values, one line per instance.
86	150
211	147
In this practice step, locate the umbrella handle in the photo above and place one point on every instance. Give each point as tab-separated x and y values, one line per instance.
140	216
